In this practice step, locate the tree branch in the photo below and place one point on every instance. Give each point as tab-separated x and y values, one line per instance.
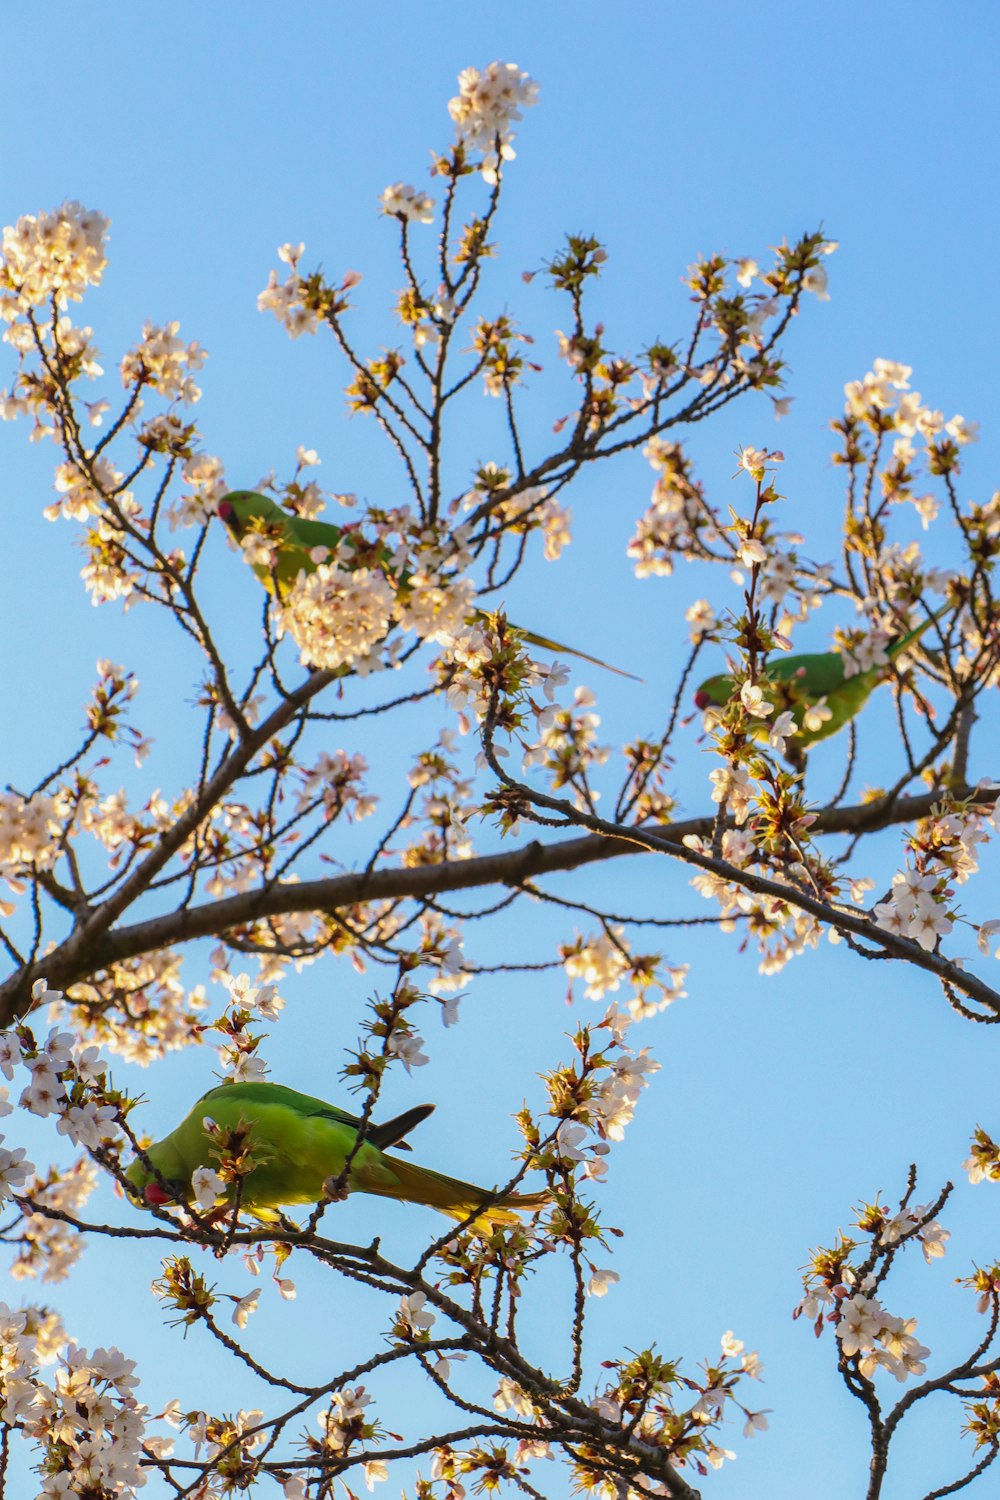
75	960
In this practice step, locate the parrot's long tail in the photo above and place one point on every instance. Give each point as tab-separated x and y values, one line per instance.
450	1196
559	649
911	636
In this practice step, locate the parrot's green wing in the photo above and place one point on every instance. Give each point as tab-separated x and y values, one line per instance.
822	675
300	544
799	682
276	1093
814	674
307	536
390	1133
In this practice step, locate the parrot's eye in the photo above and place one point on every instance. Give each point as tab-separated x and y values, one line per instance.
701	699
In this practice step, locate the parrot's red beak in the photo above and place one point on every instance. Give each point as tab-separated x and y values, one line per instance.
701	699
156	1195
225	511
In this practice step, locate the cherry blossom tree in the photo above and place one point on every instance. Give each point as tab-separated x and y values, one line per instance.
110	899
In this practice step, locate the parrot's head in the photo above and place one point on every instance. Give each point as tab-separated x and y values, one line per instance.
175	1186
240	509
714	692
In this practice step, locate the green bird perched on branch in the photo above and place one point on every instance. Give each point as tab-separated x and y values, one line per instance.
245	513
295	1146
814	687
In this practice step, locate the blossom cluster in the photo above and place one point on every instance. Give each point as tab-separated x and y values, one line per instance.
336	783
909	1223
863	652
345	1424
485	109
164	1014
917	908
68	1080
50	1248
427	316
248	1004
886	389
442	814
108	573
206	476
402	201
949	839
983	1162
878	1339
164	363
598	1093
783	931
434	607
646	1397
29	835
945	850
838	1293
91	1430
84	490
567	746
677	521
288	299
484	659
339	618
300	303
605	961
51	255
524	510
229	1442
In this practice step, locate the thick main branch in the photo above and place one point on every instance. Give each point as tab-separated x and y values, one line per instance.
73	960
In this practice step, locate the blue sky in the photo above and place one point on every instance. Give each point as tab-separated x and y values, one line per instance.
213	134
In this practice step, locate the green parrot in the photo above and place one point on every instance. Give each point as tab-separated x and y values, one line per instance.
297	1143
798	683
244	512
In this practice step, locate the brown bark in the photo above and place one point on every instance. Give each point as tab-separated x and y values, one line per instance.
96	946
